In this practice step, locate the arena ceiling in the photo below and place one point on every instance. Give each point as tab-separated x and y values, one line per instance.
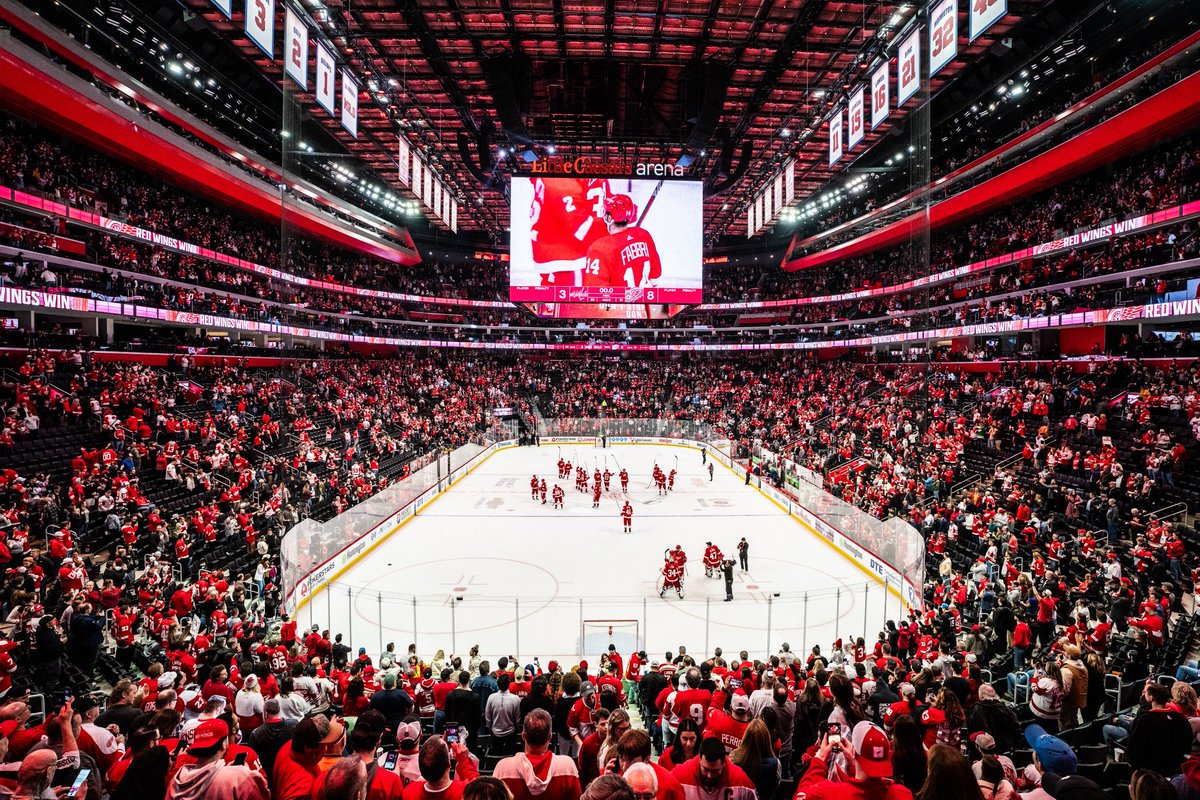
621	79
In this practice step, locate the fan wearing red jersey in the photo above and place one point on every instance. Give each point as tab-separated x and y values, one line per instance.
627	257
565	218
692	702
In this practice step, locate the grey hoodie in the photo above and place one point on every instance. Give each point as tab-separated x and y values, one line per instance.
217	781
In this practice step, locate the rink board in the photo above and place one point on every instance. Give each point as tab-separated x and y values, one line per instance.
529	577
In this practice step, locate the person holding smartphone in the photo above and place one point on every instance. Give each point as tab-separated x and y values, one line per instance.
868	774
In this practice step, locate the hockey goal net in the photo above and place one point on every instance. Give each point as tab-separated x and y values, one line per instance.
598	634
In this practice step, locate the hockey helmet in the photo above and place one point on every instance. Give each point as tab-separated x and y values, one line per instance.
621	208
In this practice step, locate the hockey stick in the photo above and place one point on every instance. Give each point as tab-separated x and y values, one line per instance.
649	203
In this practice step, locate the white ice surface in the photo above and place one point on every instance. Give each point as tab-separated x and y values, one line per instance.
534	581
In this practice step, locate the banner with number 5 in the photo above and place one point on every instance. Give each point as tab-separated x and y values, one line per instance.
908	70
985	13
260	25
943	35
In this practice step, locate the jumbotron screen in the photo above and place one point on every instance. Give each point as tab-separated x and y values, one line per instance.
606	240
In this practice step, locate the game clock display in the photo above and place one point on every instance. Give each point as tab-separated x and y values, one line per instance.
606	240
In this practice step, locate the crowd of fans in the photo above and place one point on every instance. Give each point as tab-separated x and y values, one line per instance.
146	653
28	159
1008	116
1049	576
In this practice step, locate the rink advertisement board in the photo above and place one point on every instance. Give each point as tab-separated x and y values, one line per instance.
596	239
886	573
348	555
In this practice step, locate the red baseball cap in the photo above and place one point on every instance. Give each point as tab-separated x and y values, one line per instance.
209	733
872	750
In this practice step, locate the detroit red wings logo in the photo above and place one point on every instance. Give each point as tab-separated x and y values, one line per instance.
1120	314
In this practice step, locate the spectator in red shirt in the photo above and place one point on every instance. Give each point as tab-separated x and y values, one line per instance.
296	763
434	763
1022	638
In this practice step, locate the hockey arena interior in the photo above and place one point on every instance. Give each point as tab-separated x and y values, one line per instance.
617	400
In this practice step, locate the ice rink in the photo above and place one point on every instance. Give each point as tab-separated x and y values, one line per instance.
485	564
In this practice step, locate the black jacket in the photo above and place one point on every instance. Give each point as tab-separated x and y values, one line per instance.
997	719
1159	741
462	706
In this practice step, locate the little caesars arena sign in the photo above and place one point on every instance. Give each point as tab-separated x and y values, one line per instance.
585	166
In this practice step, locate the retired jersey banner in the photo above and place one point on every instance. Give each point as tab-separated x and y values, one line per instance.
943	35
856	117
325	79
778	191
984	14
908	68
437	199
454	217
750	220
295	48
226	6
418	167
349	103
789	182
835	136
879	95
404	159
428	187
260	25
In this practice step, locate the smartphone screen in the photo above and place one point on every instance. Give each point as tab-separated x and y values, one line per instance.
835	733
451	734
393	756
80	779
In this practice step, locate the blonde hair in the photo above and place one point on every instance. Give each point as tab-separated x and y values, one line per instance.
1184	696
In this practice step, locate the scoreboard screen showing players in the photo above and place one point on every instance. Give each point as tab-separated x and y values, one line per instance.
606	240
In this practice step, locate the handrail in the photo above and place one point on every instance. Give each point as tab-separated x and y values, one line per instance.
1173	510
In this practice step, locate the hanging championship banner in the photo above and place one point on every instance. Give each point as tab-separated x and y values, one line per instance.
750	220
429	180
768	205
856	117
437	199
325	79
835	136
908	68
349	103
404	158
418	175
260	25
879	95
295	48
943	35
984	14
